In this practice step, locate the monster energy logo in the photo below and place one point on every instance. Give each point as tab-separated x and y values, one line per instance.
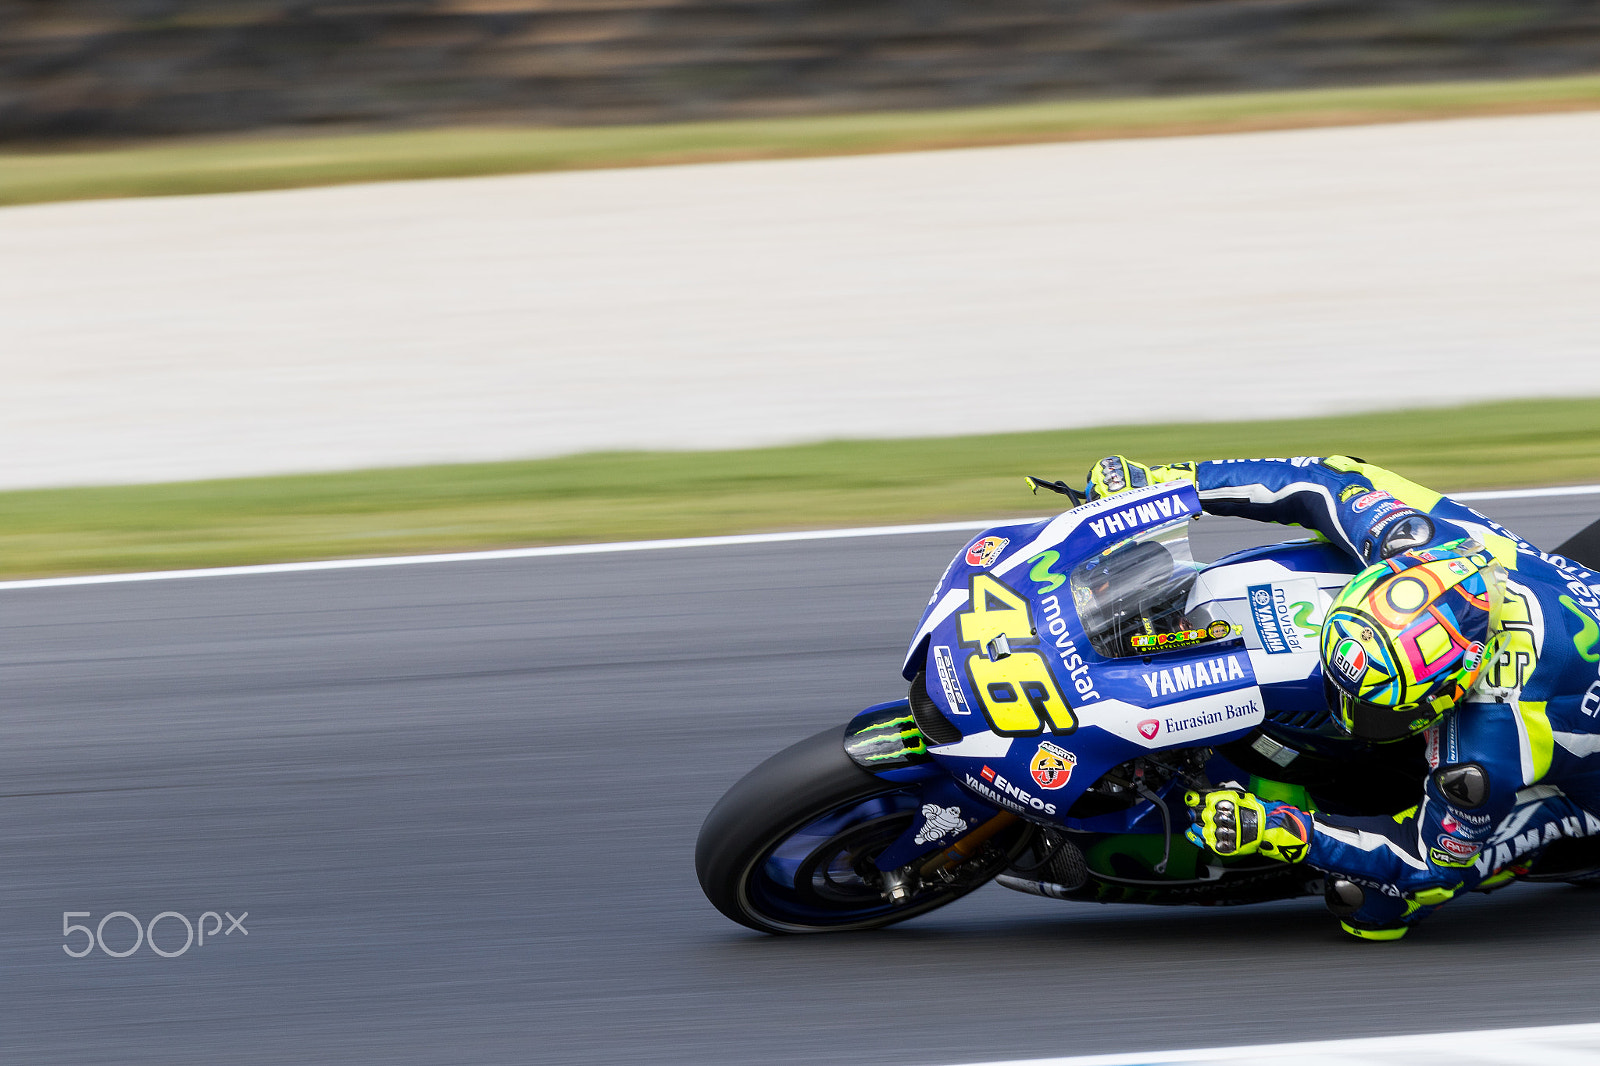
885	741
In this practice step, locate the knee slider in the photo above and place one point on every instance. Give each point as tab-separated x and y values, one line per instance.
1343	897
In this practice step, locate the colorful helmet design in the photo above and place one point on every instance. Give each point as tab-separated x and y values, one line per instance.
1407	638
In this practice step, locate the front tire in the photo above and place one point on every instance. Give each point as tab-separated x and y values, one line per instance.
789	848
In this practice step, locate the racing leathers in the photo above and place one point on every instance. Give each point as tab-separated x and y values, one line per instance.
1513	767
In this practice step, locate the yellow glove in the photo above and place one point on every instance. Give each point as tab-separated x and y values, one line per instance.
1230	822
1118	473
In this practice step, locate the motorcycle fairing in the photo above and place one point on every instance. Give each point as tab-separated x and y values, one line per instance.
946	813
1120	708
884	740
1073	534
1299	580
1120	868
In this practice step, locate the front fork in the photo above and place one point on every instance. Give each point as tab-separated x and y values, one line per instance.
952	827
901	883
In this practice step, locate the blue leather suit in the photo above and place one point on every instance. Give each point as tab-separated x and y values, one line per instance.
1513	769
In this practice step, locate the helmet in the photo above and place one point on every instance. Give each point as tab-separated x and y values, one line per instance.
1407	639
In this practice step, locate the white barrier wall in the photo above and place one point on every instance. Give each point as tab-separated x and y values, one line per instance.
1221	277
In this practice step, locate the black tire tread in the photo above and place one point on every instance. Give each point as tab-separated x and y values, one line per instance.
798	784
802	779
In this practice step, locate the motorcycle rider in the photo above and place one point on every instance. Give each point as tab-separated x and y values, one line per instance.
1456	629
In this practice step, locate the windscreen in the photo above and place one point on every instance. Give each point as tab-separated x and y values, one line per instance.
1131	597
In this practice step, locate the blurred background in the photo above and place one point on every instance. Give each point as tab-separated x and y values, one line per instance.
1272	209
72	69
458	800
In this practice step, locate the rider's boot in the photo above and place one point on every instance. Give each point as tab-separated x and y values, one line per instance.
1370	914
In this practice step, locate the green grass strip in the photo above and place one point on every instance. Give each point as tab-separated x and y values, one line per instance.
641	495
234	165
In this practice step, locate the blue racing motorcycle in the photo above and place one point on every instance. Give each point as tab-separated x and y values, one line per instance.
1071	679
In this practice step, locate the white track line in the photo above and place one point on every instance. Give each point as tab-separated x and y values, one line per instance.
1527	494
1555	1045
625	546
505	553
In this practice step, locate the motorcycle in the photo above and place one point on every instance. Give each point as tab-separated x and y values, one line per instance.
1070	680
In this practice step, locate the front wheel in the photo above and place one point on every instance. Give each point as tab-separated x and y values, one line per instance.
789	848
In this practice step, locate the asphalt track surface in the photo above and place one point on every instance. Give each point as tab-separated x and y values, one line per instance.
459	804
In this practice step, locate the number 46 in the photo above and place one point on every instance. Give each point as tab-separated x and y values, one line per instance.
1017	690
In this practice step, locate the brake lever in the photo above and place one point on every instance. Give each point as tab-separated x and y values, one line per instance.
1149	794
1060	487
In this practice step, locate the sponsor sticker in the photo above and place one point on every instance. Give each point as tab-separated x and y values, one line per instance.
1198	675
1266	620
1367	500
1381	887
986	550
1468	818
1127	519
1511	841
1282	621
1458	848
1350	659
1350	492
949	681
1387	507
1165	722
1047	579
1003	793
1218	630
1052	765
1145	641
1248	710
1067	650
939	822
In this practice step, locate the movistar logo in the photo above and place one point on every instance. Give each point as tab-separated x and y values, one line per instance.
1048	580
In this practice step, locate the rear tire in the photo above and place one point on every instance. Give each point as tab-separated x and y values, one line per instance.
789	848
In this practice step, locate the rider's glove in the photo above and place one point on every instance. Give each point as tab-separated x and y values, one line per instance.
1230	822
1118	473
